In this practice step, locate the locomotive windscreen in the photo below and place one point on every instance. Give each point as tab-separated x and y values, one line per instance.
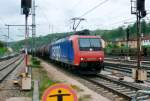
89	44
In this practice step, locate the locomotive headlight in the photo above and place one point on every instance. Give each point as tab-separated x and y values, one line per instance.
81	59
100	58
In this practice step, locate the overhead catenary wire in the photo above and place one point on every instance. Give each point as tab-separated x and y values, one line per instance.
87	12
95	7
124	20
44	14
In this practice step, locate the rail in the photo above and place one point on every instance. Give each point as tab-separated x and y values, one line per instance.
8	69
123	89
138	94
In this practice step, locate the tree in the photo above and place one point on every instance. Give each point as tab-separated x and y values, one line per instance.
1	44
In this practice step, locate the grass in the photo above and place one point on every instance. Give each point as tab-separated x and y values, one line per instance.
45	82
38	73
77	88
35	63
85	98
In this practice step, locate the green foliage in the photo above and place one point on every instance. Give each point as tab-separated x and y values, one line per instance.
45	82
114	34
109	46
147	46
35	62
1	44
107	35
41	40
3	51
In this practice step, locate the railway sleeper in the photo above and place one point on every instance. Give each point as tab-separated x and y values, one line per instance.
105	91
143	97
114	86
131	95
130	92
119	88
124	90
107	83
119	99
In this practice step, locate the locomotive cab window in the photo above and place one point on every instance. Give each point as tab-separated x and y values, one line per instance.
89	44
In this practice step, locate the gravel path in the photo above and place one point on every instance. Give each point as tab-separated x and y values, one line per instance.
84	93
8	89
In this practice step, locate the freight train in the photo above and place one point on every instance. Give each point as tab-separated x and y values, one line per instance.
78	52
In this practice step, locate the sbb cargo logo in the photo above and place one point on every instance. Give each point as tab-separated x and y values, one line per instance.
59	92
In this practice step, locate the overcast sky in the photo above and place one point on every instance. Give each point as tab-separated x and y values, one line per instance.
54	15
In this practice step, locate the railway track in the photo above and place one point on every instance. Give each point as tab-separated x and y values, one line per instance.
119	90
11	71
131	57
133	62
8	66
125	66
4	58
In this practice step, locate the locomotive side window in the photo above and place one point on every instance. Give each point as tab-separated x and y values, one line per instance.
88	44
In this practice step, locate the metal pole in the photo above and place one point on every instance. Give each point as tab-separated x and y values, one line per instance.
127	50
33	28
8	31
26	35
8	36
138	41
138	46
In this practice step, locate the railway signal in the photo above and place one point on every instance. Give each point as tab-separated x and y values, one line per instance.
26	7
140	5
138	8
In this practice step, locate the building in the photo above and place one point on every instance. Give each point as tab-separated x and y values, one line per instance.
146	41
132	43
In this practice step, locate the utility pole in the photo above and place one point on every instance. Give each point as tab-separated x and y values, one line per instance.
7	35
12	25
74	22
138	8
33	28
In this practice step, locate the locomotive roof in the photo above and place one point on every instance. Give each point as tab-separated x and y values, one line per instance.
73	36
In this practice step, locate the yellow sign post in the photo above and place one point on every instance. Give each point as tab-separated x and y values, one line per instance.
59	92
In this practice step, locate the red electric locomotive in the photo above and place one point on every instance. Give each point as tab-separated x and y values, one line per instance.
88	53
